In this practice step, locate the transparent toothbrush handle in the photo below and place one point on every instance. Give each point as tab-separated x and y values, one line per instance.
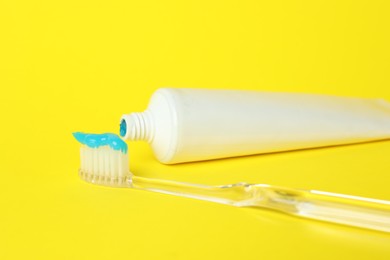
332	207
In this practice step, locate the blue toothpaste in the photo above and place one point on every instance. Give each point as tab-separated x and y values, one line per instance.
98	140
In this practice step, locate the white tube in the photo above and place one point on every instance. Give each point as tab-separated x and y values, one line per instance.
185	125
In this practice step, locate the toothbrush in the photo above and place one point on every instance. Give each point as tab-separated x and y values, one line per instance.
104	161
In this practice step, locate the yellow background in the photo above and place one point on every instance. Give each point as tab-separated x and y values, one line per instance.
79	65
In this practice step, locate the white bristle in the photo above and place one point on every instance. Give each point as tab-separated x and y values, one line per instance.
82	161
104	165
106	162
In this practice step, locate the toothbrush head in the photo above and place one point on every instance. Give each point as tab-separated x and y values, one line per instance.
103	159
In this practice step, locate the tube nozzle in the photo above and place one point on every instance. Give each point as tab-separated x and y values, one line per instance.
135	126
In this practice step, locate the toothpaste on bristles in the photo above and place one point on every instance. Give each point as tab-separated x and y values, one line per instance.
104	159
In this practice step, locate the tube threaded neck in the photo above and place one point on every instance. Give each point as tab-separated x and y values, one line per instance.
136	126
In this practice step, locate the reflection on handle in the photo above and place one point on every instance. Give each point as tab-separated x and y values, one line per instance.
338	208
332	207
